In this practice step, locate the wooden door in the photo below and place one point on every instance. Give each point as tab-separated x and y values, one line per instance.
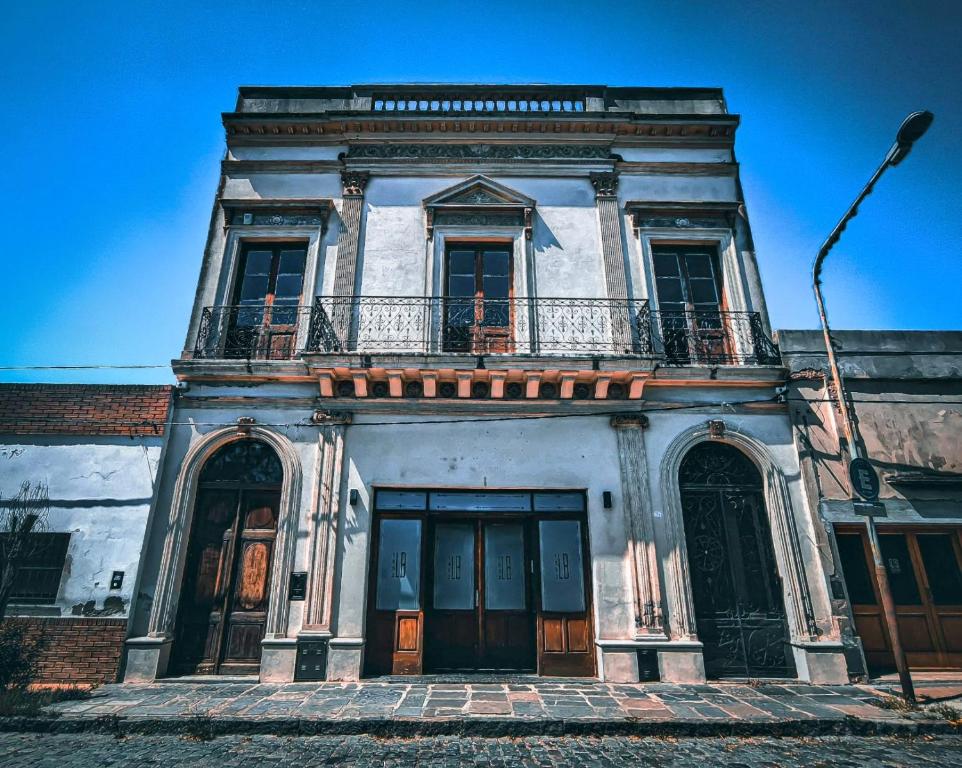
263	320
453	623
689	294
506	613
925	575
565	646
395	631
478	291
223	603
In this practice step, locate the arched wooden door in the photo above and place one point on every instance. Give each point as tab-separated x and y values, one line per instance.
223	601
739	610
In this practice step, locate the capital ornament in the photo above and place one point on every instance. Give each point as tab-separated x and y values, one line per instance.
629	421
354	182
605	183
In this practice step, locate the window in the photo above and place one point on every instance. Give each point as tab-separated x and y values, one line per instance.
271	275
38	578
263	320
478	298
688	285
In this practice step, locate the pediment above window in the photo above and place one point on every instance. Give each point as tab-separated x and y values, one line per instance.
683	215
479	201
294	212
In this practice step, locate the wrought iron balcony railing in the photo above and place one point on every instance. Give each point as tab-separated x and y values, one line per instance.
516	326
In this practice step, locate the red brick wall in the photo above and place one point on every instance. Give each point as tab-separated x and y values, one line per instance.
78	650
83	409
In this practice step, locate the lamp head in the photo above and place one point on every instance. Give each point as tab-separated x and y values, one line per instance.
911	130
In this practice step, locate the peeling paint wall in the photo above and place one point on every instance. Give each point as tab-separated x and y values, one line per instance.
100	492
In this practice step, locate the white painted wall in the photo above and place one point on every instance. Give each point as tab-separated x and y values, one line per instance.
100	490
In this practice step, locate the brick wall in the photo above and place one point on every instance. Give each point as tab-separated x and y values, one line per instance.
83	409
78	650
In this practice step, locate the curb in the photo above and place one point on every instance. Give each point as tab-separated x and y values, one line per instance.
202	727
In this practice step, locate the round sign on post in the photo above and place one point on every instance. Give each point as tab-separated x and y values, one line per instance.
864	479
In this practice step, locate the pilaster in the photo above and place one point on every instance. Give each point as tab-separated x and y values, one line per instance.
635	492
613	251
353	184
323	542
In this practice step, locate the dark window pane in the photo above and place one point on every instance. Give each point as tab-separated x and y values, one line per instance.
292	263
669	289
941	568
288	286
666	264
703	291
855	569
461	285
895	555
496	287
258	263
699	265
254	288
495	314
461	263
496	263
460	312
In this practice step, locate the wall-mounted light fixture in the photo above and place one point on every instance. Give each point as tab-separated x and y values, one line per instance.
606	499
354	496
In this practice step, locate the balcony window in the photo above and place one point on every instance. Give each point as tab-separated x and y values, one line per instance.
262	322
477	310
688	283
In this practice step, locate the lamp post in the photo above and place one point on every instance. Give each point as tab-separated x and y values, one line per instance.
864	479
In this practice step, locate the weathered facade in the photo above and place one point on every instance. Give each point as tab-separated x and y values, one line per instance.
480	378
98	450
905	389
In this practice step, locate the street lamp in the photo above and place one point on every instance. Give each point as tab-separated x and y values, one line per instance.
863	476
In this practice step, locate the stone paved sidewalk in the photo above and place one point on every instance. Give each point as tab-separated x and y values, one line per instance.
528	707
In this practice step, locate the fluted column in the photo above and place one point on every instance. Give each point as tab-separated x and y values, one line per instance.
612	248
636	495
323	543
348	243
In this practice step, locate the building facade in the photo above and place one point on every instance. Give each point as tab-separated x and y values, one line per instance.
904	389
97	450
481	378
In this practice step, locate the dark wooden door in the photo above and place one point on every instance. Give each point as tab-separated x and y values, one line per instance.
263	321
688	284
564	620
481	615
395	630
223	603
925	574
478	308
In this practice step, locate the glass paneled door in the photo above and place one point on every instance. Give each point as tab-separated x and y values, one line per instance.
477	299
480	616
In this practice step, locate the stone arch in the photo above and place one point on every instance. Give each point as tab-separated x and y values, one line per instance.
164	608
781	519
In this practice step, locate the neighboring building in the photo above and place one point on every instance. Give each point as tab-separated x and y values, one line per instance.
905	390
98	450
480	378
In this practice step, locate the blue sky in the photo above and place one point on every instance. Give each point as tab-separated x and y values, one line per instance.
111	140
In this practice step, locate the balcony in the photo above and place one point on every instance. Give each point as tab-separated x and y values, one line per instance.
520	326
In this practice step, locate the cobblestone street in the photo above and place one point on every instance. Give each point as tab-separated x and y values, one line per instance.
67	751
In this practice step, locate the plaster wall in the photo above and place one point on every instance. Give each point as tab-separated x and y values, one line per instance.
100	491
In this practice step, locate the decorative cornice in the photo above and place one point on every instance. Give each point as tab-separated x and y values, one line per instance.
478	152
286	212
605	183
354	182
682	215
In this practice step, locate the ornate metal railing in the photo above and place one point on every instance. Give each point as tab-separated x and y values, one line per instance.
712	338
520	326
252	332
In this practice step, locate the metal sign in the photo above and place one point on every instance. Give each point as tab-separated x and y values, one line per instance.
297	590
864	479
869	508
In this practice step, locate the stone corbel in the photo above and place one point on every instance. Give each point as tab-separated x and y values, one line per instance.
528	216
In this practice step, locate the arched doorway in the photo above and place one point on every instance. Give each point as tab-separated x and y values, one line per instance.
739	610
224	595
